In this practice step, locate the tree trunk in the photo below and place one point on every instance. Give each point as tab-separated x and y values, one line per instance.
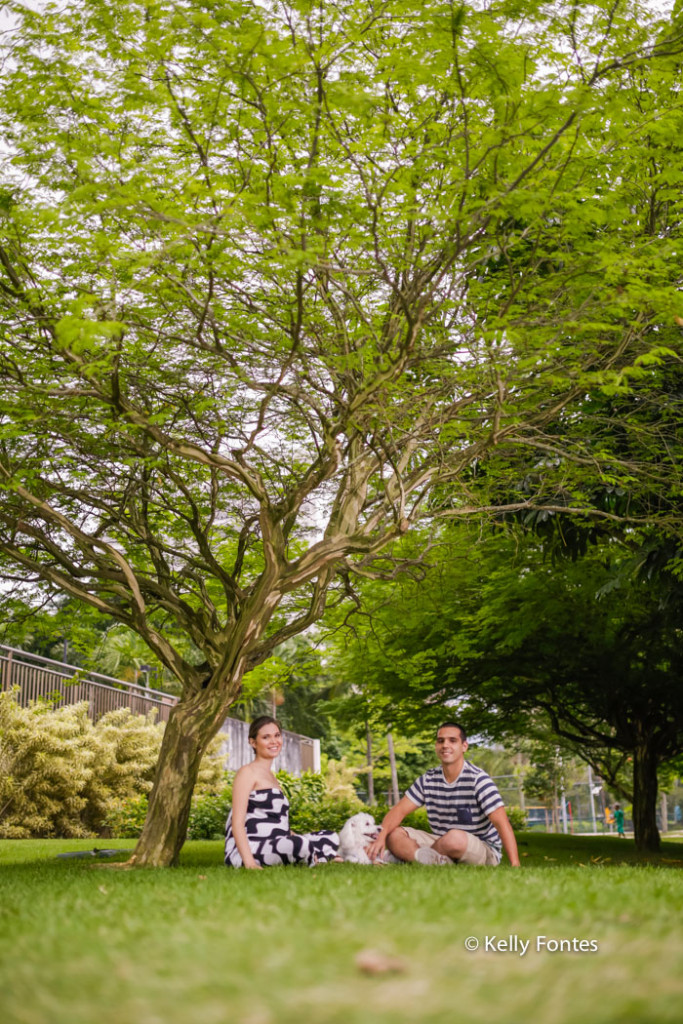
371	777
190	729
664	812
645	763
394	773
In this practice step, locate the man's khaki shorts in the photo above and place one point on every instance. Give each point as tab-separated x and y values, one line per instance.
477	852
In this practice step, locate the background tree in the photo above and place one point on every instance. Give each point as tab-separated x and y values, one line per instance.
248	317
52	625
508	633
67	630
604	662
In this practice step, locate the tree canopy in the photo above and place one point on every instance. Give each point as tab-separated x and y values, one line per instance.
506	632
271	273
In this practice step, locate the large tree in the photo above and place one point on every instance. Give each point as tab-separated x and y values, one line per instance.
508	633
251	311
604	661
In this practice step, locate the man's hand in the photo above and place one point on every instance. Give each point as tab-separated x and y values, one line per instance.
376	847
391	820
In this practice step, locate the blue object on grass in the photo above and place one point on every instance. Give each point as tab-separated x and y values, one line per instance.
92	853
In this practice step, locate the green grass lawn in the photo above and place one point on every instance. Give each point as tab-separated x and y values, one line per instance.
201	944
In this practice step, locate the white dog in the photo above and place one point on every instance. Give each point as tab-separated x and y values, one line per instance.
358	832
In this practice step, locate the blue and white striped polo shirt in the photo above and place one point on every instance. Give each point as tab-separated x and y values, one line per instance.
465	803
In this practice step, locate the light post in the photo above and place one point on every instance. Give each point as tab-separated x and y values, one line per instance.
593	792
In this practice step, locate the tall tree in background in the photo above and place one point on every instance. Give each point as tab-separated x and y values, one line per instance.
507	633
603	661
253	305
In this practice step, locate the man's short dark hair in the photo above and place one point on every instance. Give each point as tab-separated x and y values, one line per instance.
454	725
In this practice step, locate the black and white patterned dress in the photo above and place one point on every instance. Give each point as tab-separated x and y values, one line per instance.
271	842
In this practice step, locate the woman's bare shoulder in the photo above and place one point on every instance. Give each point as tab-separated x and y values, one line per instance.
244	776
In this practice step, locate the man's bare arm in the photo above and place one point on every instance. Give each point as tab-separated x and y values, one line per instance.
501	821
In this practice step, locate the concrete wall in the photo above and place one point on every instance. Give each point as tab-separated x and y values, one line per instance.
299	753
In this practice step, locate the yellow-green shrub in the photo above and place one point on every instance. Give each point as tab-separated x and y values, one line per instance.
45	764
62	775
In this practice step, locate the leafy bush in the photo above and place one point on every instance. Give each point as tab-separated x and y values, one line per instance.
125	750
125	818
332	813
341	779
45	763
61	775
209	814
312	806
518	818
418	819
309	787
329	813
212	775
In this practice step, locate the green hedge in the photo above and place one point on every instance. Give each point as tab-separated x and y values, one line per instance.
61	775
311	810
125	821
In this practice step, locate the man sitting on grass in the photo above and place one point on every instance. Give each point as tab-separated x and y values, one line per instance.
464	809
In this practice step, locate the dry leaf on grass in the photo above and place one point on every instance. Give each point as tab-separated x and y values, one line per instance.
371	961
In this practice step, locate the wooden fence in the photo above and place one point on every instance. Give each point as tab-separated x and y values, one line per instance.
39	678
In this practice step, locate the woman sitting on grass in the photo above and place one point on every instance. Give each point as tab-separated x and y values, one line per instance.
257	830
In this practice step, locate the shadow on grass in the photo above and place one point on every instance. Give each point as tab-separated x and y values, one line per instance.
543	849
537	849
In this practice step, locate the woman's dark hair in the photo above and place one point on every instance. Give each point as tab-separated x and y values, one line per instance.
258	724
